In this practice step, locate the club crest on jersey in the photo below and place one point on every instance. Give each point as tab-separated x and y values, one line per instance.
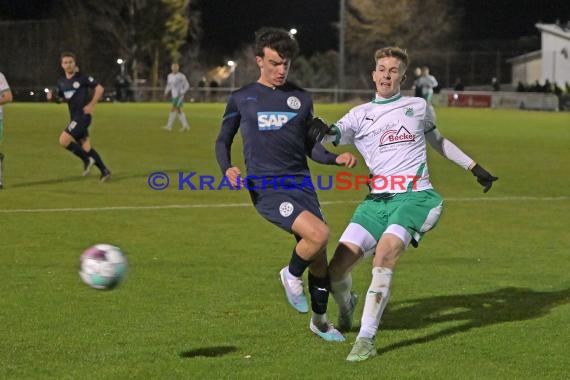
273	121
76	84
293	102
393	136
409	111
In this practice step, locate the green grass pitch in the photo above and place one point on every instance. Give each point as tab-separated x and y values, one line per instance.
486	296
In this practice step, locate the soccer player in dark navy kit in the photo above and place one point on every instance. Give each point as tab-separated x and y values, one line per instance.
274	117
74	88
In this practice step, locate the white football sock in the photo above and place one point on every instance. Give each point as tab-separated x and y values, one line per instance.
341	292
376	300
182	118
171	118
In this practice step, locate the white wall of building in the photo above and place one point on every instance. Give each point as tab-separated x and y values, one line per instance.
526	68
555	53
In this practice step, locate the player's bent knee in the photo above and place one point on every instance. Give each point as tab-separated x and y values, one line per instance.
344	258
321	236
388	262
64	141
388	258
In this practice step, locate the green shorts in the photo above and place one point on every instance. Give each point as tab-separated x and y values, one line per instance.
417	212
177	101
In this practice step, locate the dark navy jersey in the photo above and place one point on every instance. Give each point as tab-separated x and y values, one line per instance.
273	124
76	92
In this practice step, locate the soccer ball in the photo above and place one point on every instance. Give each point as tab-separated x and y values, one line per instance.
102	266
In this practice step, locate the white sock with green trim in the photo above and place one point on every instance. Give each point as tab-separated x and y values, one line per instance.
182	118
376	300
171	118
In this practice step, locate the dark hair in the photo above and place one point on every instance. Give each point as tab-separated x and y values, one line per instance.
276	39
392	51
67	54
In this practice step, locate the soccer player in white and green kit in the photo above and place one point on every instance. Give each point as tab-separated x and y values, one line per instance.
5	97
177	84
391	133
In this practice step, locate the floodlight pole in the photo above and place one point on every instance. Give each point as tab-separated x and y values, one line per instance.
341	48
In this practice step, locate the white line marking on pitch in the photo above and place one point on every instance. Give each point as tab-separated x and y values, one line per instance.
229	205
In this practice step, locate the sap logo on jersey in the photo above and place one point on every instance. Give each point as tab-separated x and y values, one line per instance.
68	94
272	121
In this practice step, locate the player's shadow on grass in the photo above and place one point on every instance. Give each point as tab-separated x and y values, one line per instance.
51	181
475	310
208	352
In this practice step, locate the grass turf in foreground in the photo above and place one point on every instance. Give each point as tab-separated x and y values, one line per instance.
485	296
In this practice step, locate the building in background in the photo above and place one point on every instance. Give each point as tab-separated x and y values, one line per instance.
551	62
555	52
526	68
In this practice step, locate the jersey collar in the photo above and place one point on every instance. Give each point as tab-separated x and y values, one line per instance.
379	100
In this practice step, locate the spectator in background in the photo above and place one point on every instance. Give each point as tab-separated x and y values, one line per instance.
177	84
495	84
458	86
547	87
417	89
214	89
521	87
123	88
426	82
556	89
5	97
202	89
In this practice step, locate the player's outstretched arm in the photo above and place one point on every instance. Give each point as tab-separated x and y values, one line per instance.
450	151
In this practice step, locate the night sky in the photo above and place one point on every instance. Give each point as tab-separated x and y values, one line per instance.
230	23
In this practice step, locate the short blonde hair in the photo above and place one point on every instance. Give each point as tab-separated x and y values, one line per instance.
392	51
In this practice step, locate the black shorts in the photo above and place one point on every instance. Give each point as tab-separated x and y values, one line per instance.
281	207
78	127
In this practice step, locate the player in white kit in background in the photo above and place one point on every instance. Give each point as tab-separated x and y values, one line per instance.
177	84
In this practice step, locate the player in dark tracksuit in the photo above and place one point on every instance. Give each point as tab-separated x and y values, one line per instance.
74	88
273	116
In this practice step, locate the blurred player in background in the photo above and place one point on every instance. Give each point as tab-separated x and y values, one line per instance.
5	97
417	75
424	85
177	84
274	115
391	133
74	88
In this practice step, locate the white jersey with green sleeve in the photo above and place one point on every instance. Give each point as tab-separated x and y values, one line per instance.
177	84
3	87
389	134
